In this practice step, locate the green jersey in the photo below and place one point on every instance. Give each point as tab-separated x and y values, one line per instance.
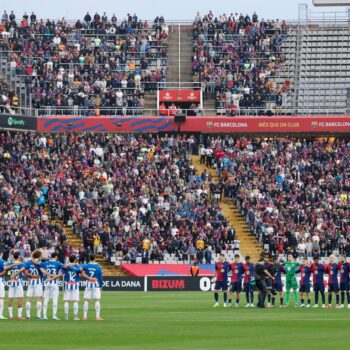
290	269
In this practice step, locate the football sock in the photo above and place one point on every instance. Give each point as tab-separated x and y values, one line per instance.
281	301
273	301
323	298
251	297
302	301
28	307
54	307
46	303
75	309
1	307
337	299
296	296
316	297
247	297
330	299
19	312
225	297
66	309
348	297
86	308
97	308
39	307
216	297
10	312
342	297
287	296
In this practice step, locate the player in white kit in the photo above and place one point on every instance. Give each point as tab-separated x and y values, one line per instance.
52	271
3	269
93	288
35	287
16	287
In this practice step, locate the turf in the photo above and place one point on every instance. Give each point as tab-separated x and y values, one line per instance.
182	320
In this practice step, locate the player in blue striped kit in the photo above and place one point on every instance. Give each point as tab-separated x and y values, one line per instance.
52	271
3	269
16	287
72	273
93	288
35	287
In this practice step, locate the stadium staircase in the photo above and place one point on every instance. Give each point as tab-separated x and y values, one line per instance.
76	242
179	68
248	243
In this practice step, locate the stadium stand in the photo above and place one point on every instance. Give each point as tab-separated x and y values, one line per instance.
109	190
235	59
293	193
87	67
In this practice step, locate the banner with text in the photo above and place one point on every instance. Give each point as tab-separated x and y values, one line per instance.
143	124
18	122
179	95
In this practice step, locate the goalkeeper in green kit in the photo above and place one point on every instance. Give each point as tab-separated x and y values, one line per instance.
291	280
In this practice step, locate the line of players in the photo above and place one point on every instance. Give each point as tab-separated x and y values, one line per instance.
245	272
43	285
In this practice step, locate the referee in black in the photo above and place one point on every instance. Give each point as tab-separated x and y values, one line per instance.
260	279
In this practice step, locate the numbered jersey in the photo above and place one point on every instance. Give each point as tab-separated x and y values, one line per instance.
71	277
16	281
93	271
34	270
54	268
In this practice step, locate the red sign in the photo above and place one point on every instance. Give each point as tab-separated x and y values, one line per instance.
262	125
239	125
179	95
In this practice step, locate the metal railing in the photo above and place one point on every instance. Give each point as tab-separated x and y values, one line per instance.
135	111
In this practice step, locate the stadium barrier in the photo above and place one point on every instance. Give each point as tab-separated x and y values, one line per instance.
147	284
143	124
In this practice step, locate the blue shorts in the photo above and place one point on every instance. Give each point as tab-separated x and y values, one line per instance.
333	288
318	287
236	287
221	285
304	288
248	287
344	286
278	287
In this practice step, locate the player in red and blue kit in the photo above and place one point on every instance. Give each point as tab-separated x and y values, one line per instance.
249	282
277	281
332	270
318	271
236	280
344	281
305	284
221	278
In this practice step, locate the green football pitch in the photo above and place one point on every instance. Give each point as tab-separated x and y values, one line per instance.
181	320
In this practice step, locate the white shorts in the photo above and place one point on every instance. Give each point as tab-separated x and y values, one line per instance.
92	293
35	291
51	291
16	292
71	295
2	290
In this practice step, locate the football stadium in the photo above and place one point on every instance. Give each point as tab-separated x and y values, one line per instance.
175	175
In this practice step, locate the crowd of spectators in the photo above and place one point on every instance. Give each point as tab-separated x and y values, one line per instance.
235	57
293	193
93	64
9	101
129	196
